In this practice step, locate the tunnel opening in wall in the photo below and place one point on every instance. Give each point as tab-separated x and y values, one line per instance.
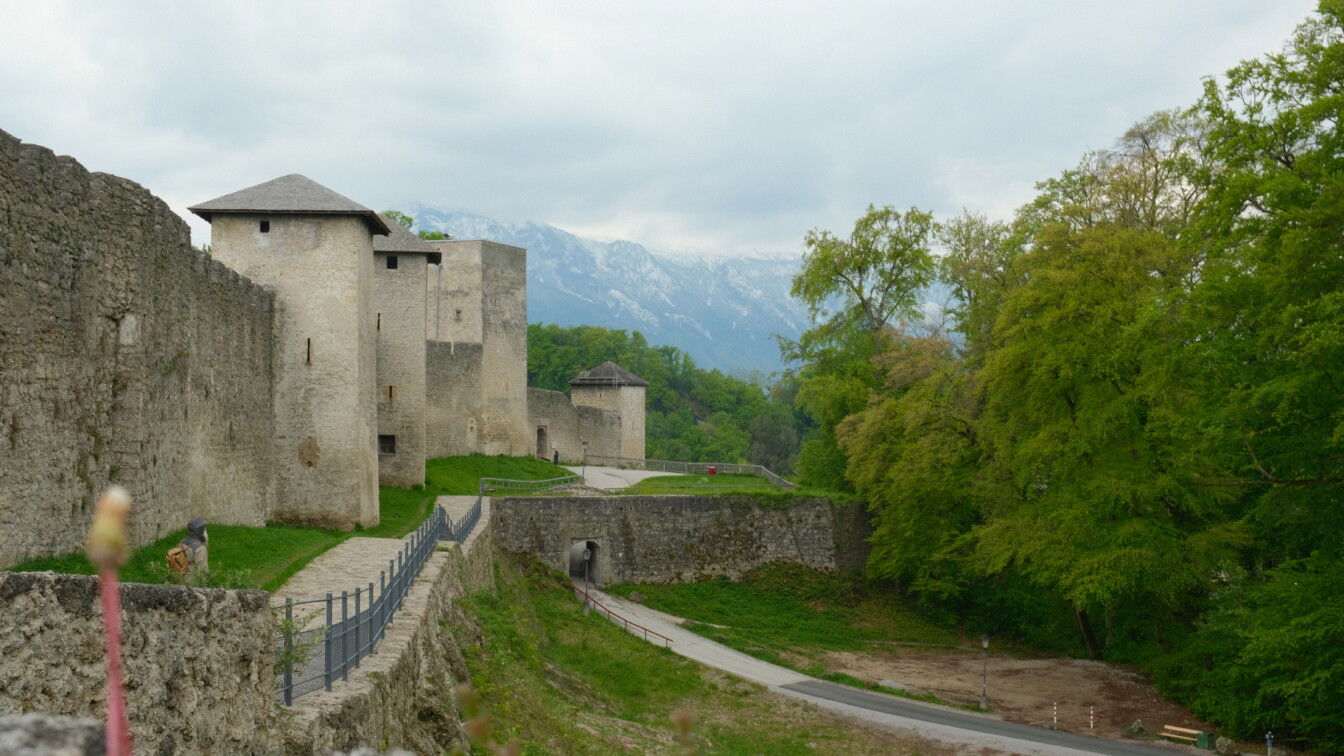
543	447
583	561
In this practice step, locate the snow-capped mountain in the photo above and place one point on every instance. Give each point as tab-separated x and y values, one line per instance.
724	313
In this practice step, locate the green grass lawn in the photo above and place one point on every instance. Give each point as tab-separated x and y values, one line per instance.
247	557
462	475
556	680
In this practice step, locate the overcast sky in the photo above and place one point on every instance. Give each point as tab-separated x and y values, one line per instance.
718	126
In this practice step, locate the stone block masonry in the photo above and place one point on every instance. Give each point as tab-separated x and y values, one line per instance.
664	539
125	356
198	663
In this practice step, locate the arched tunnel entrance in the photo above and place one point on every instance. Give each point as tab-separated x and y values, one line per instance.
543	444
583	561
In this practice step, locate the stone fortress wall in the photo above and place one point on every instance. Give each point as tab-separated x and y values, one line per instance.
664	539
563	426
476	321
248	387
400	335
126	356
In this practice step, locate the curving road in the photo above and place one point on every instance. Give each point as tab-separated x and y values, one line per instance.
939	723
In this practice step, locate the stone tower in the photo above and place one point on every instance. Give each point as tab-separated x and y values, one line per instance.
401	260
612	388
476	325
314	248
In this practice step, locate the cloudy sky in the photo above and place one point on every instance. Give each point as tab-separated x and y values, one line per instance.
719	126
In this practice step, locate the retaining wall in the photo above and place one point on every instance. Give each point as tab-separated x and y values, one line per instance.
125	356
197	662
663	539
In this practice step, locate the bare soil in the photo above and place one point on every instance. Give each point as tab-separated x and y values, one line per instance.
1025	689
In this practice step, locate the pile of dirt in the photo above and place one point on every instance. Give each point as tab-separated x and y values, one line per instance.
1025	690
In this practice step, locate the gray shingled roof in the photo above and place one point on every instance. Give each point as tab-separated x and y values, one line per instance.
401	239
290	195
608	374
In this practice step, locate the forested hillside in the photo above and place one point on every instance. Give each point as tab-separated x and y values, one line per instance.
693	414
1129	438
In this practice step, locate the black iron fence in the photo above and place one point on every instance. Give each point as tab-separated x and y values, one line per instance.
321	640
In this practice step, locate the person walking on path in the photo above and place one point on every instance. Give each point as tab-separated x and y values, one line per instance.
555	458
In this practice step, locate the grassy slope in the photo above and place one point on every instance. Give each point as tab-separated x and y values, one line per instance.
790	615
266	557
558	681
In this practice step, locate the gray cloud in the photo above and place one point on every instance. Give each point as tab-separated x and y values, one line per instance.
684	125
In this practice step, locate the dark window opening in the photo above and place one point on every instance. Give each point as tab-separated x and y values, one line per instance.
380	321
391	262
309	358
265	227
391	394
387	444
457	315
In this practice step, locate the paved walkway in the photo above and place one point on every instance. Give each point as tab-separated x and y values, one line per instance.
612	478
939	723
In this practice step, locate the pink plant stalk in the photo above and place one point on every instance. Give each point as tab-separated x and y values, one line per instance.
107	550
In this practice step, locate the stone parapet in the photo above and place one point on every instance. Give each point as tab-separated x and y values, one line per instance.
662	539
197	663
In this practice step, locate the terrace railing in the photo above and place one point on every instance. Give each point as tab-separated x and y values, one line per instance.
489	486
351	624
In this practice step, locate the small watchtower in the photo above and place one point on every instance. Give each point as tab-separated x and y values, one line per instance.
314	248
613	388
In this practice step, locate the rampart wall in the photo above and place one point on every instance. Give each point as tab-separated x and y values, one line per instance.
565	427
126	356
663	539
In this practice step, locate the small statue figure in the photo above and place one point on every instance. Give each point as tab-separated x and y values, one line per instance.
190	556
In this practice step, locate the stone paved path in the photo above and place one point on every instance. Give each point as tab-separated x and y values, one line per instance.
351	564
612	478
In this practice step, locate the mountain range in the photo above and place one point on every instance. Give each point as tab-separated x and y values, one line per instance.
723	312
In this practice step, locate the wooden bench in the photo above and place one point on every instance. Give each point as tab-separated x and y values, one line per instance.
1195	738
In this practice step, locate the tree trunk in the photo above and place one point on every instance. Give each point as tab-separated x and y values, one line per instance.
1089	638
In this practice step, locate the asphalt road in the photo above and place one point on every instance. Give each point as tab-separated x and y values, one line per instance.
940	723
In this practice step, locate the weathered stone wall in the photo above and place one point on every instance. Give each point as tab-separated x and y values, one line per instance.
325	445
567	427
400	325
197	663
625	438
453	408
125	356
478	298
661	539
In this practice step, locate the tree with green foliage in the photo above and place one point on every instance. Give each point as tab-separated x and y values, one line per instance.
1138	423
407	221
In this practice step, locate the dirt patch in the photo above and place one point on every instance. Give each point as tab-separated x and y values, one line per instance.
1024	689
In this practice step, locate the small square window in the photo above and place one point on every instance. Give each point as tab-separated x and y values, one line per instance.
391	262
266	227
387	444
457	315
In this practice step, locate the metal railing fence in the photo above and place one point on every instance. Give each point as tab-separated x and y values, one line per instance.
614	617
689	468
352	624
491	485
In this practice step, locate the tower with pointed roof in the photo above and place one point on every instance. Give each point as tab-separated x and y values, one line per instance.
314	248
612	388
401	260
